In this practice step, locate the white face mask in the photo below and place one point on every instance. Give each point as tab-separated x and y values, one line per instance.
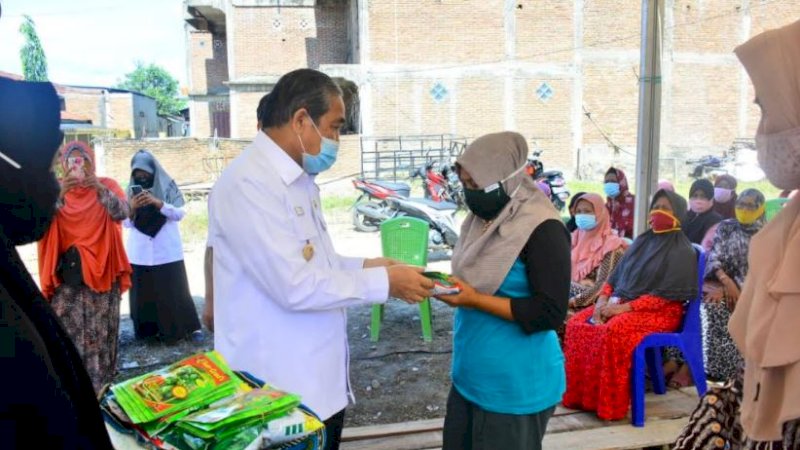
779	157
495	186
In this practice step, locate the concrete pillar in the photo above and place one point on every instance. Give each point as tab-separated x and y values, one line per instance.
577	82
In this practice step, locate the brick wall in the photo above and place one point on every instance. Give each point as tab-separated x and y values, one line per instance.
276	40
244	106
84	105
191	160
208	62
548	22
492	59
403	31
120	115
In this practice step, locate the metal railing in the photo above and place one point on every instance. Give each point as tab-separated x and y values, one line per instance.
395	157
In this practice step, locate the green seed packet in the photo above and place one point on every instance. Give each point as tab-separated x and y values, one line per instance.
176	390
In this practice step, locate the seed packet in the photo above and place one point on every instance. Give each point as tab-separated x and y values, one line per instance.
258	405
178	389
441	284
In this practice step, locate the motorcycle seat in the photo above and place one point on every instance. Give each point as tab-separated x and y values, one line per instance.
439	206
391	185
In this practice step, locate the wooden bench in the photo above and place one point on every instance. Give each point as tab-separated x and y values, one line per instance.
666	417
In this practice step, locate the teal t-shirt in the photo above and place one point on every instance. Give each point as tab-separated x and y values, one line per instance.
500	368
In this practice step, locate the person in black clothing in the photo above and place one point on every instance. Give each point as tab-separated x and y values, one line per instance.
512	263
701	217
48	401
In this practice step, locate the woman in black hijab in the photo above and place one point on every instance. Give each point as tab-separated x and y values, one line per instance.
701	216
48	400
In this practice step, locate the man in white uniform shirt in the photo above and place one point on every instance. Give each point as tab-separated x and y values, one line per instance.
280	288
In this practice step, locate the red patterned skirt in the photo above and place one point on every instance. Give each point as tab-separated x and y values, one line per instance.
598	357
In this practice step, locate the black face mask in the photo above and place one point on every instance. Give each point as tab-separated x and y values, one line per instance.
486	205
145	181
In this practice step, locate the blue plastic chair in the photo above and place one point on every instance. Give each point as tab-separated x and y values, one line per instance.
688	338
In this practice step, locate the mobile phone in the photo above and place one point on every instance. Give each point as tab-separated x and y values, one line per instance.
136	189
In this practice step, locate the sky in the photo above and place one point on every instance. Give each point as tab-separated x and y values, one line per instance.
96	42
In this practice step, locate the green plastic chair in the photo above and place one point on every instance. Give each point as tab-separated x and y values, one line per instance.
774	206
405	239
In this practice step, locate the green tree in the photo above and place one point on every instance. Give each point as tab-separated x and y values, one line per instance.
34	62
155	82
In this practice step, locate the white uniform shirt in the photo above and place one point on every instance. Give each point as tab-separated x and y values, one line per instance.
276	315
164	248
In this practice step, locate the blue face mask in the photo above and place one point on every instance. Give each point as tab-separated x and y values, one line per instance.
586	222
611	189
322	161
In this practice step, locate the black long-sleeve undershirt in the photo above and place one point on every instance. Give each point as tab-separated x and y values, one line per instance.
547	258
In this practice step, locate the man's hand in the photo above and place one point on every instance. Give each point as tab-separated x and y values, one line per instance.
380	262
408	284
467	298
208	313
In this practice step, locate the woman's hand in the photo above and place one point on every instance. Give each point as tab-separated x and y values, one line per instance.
68	183
732	294
611	311
467	298
91	181
153	201
143	199
715	295
600	304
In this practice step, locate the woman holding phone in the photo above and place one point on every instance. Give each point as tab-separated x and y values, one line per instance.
161	304
83	268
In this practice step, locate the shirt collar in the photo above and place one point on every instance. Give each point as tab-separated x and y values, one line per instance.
287	168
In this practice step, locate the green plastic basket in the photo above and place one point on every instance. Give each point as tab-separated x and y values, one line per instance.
774	206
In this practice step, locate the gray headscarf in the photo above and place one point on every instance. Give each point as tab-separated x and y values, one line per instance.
164	187
486	250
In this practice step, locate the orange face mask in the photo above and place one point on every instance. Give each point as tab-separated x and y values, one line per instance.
663	222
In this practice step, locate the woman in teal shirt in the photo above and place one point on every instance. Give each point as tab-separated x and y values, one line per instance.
512	263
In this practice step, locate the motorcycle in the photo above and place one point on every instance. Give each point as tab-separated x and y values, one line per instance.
372	204
441	217
709	166
559	194
440	183
389	200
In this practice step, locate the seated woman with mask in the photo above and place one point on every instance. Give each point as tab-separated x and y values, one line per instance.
644	295
512	264
726	270
596	250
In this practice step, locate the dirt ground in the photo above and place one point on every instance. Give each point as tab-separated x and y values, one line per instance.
399	378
